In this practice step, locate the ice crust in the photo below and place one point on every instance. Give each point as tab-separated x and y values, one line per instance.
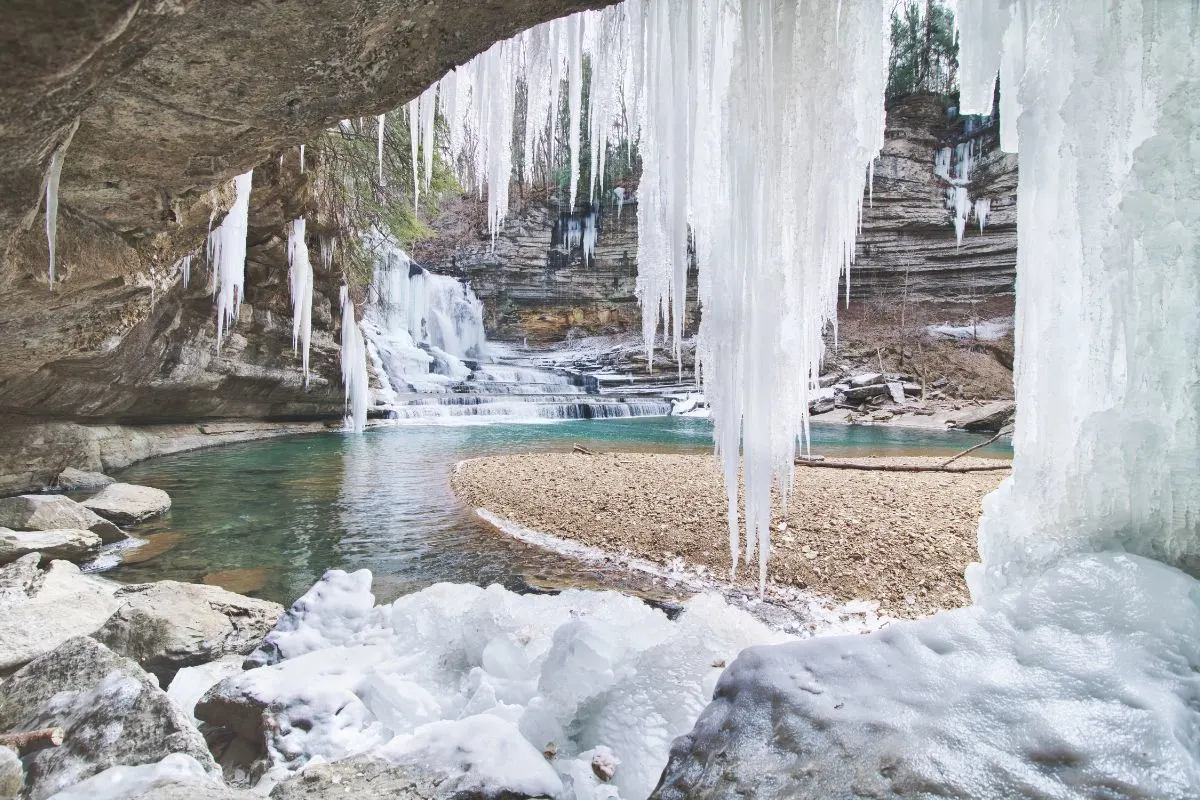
123	782
479	682
1080	684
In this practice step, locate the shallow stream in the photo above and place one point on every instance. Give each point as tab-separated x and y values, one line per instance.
268	518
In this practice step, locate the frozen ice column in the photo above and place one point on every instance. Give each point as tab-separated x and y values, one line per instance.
1108	284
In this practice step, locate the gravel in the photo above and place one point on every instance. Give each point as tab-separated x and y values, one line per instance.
902	539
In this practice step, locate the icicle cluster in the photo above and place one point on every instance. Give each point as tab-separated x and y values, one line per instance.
354	367
758	123
227	254
300	280
1108	423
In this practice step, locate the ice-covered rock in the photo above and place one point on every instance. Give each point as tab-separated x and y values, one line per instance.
331	612
129	504
19	580
857	394
168	625
57	605
67	544
71	479
111	713
48	512
191	683
176	777
564	674
1078	684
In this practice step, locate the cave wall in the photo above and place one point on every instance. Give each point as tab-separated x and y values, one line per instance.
157	104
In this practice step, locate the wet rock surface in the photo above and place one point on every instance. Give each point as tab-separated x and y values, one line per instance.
71	479
33	512
166	626
110	710
127	504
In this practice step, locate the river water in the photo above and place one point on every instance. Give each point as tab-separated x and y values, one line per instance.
268	518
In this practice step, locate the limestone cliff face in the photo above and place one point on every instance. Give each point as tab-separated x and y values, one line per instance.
535	280
908	234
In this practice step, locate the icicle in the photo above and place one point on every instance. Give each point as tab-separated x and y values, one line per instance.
301	159
574	98
983	207
354	367
379	136
428	117
185	269
300	281
414	116
326	253
52	181
228	250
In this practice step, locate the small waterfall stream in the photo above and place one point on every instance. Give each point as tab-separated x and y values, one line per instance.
426	341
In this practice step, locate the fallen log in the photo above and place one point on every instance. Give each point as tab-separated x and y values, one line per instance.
896	467
1003	430
32	741
581	449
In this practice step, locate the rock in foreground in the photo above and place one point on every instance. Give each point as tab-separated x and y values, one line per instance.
1079	684
39	611
67	544
129	504
109	709
166	626
49	512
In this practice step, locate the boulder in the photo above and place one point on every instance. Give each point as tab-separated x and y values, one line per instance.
71	479
986	419
821	405
59	604
110	710
128	504
67	544
826	381
866	379
881	416
19	580
896	391
12	774
166	626
861	393
51	512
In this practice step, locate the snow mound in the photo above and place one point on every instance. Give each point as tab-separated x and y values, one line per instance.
500	691
1081	683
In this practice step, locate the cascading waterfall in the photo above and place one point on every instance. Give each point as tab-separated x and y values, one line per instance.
300	281
227	254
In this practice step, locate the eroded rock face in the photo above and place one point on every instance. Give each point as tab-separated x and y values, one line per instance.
129	504
166	626
110	710
40	512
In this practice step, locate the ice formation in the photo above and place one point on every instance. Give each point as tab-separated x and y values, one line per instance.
354	367
1079	684
300	281
52	181
301	159
755	160
421	326
1110	332
227	254
145	780
481	682
983	207
379	136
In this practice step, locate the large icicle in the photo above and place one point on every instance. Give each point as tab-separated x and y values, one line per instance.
354	367
227	250
379	137
300	280
52	181
574	97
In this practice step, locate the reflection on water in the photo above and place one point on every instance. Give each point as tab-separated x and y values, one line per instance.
268	518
